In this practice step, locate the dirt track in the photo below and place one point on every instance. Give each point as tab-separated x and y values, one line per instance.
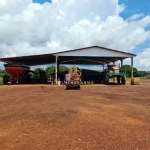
97	117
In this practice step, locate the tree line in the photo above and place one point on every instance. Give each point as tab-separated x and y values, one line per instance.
50	71
136	73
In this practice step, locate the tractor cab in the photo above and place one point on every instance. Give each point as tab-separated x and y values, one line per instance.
113	69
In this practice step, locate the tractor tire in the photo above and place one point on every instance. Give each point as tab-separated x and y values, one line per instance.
118	80
123	80
5	79
21	80
78	87
67	87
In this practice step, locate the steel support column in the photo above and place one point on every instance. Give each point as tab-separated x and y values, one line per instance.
56	68
58	73
131	67
121	62
113	77
103	67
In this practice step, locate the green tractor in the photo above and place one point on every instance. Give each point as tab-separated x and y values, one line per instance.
114	72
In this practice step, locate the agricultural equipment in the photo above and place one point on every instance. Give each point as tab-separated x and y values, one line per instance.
16	72
19	73
135	81
112	72
72	79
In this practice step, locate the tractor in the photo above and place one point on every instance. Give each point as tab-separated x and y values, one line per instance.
73	78
114	72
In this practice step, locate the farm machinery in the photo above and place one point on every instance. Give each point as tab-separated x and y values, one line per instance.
114	72
19	73
72	79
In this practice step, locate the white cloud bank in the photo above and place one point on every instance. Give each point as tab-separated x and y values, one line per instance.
28	28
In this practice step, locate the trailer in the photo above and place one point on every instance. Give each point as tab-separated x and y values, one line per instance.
15	72
21	74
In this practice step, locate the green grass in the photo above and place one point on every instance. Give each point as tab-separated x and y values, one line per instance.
143	77
1	80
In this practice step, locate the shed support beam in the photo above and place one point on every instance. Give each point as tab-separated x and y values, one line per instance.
56	69
103	67
121	62
113	77
58	73
131	67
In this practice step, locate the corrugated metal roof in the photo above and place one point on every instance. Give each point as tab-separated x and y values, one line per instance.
133	55
86	55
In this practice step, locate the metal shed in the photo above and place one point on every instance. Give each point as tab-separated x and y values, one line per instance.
86	55
148	75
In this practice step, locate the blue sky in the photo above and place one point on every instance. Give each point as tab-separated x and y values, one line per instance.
136	7
41	1
131	7
35	27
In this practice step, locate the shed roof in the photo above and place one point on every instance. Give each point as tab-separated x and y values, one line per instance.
86	55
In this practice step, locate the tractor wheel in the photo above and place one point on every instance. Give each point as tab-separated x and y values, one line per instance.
5	79
21	80
123	80
118	80
78	87
67	87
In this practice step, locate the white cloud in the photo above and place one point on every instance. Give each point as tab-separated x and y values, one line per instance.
2	2
135	17
28	28
84	22
143	60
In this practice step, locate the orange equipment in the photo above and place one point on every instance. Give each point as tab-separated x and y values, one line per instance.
15	71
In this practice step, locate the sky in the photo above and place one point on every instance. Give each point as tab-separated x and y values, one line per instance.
43	26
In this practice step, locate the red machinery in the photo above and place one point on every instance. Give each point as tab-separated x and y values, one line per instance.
15	71
72	79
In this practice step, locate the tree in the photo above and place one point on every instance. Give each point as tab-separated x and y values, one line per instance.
63	69
2	73
127	69
37	72
141	73
50	71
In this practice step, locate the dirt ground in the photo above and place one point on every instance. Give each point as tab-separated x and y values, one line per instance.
96	117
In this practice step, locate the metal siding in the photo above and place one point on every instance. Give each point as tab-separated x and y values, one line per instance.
87	55
148	75
94	52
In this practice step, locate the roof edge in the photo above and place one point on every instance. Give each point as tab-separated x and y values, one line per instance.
70	51
93	47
